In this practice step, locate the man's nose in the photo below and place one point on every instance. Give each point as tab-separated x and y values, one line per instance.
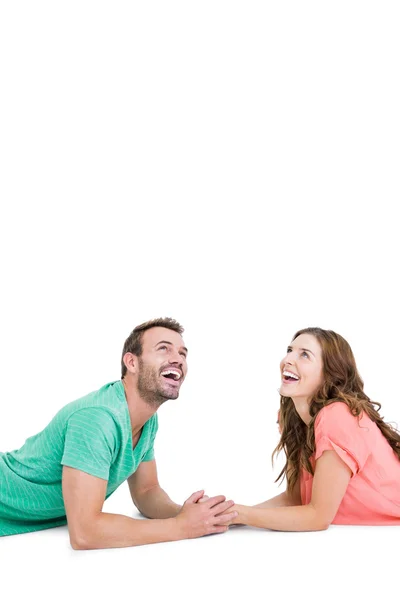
176	358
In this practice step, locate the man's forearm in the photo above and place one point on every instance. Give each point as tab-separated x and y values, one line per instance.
156	504
117	531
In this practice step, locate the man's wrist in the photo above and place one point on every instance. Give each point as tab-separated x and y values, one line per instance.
178	509
178	529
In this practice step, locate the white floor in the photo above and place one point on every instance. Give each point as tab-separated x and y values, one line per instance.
342	562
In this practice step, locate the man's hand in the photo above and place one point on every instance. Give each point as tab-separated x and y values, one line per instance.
200	517
90	528
204	498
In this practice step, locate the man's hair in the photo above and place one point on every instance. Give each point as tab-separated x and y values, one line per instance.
133	343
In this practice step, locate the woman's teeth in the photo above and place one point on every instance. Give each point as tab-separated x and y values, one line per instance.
288	375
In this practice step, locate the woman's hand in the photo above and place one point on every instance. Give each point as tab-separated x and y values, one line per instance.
232	509
239	509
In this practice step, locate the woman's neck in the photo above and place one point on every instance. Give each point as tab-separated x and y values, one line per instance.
302	407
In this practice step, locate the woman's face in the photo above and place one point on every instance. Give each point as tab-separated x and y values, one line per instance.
302	368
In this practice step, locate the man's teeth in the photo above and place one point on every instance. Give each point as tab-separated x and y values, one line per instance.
288	374
176	374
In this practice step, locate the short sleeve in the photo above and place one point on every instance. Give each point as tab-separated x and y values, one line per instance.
90	442
337	429
149	455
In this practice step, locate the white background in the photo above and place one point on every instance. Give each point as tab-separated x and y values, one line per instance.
234	165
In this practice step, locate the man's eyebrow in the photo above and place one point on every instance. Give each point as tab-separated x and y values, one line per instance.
171	344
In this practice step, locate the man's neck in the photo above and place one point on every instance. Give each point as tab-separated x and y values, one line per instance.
140	411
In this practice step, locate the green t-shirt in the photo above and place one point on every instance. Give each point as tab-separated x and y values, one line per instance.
92	434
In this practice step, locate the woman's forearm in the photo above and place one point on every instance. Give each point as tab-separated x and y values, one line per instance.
284	518
283	499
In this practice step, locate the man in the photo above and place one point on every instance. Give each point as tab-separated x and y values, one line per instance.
92	445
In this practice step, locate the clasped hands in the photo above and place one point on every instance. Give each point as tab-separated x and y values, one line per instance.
201	515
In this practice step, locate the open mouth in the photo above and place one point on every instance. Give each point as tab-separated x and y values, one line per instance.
289	377
173	375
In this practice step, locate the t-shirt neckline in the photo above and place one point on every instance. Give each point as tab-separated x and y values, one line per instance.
119	387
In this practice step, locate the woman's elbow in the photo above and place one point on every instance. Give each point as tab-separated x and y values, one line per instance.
320	521
322	526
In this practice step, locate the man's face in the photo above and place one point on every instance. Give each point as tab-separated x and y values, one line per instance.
162	365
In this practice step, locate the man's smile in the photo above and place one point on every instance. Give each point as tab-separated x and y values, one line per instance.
173	375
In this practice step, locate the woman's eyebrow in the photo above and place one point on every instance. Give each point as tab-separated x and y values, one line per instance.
305	350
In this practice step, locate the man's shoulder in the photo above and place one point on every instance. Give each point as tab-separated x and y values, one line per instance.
107	400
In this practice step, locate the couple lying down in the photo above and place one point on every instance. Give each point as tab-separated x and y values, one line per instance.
342	459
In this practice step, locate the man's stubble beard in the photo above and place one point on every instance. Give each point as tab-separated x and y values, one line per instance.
148	386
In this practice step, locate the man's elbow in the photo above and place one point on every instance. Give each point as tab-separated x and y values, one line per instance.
78	543
81	539
143	511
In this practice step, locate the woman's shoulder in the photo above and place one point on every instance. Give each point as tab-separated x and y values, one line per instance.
335	407
338	414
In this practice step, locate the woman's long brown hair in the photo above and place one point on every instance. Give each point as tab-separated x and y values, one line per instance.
341	383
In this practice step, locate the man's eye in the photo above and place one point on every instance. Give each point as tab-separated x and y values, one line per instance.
183	354
162	347
289	350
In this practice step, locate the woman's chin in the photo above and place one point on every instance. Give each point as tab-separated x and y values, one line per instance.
285	390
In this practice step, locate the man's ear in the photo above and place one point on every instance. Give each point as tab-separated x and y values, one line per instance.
131	362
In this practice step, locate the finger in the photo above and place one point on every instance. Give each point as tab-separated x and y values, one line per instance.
226	518
204	498
222	507
215	500
224	512
195	497
219	529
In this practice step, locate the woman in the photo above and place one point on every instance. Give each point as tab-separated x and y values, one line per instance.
342	460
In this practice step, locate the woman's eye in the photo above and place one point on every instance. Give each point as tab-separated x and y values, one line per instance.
162	347
289	350
304	354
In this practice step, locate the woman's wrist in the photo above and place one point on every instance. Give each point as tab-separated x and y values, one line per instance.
241	509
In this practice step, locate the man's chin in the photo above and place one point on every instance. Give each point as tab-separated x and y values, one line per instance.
170	393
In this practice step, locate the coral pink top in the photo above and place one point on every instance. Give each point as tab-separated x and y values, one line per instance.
373	494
